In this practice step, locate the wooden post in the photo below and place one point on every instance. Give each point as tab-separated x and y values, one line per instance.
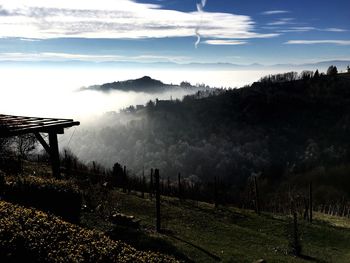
257	201
124	179
54	154
310	202
143	184
295	244
179	185
306	210
168	186
216	192
156	175
151	185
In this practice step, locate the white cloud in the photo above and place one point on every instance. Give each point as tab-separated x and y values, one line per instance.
225	42
274	12
313	42
118	19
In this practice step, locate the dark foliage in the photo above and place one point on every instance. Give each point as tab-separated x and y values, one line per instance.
58	197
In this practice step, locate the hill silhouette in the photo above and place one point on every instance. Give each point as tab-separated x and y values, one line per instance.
144	84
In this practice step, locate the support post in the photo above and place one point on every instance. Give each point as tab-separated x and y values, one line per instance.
54	154
156	175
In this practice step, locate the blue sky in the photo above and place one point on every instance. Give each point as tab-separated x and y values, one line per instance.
241	32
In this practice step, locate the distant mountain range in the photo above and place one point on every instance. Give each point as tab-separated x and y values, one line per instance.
144	84
321	65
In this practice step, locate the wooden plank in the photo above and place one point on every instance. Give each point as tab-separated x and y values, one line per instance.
11	125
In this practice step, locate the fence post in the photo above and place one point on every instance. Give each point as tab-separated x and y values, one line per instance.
310	202
168	186
257	201
156	175
143	185
124	179
216	192
179	185
151	185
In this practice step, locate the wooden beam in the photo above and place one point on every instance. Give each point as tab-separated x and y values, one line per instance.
43	142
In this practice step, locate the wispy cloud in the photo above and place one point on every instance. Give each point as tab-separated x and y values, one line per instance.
308	28
297	29
314	42
225	42
274	12
334	29
122	19
57	57
282	21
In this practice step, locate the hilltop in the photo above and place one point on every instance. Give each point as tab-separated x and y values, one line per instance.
144	84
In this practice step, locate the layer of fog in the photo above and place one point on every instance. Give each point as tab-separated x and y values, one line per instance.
52	92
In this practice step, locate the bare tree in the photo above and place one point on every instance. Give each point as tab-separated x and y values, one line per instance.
24	145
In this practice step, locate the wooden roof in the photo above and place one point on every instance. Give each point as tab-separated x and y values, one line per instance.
11	125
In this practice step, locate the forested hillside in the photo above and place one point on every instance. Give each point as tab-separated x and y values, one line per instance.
283	124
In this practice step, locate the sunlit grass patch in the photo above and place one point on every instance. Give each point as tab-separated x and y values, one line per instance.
29	235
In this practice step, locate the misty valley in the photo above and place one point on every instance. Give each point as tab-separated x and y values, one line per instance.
154	131
276	149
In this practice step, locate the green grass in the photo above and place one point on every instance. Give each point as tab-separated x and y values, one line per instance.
198	232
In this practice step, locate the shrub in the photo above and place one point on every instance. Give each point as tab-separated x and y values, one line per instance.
28	235
59	197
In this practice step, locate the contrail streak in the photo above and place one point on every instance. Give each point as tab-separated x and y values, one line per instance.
200	9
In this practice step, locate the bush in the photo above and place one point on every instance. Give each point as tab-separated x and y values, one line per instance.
59	197
28	235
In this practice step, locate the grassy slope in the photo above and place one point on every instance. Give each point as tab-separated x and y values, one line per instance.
205	234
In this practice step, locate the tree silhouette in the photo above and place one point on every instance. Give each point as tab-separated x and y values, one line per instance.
332	71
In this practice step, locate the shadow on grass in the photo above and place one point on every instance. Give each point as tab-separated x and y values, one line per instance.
143	241
312	259
214	257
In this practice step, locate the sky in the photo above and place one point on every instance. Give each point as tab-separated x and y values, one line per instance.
181	31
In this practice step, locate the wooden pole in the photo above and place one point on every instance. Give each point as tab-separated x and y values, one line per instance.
216	192
151	185
124	179
179	185
310	202
257	201
54	154
168	187
143	185
156	175
296	247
